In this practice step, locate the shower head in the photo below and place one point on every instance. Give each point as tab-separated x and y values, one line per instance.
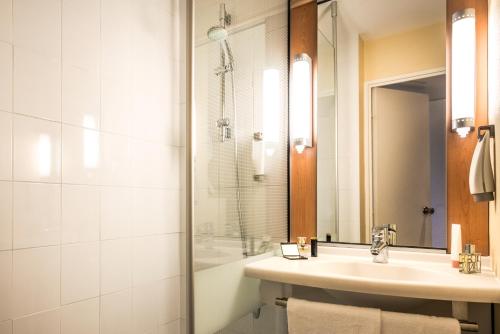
217	33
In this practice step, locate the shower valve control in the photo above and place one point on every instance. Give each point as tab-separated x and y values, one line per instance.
225	130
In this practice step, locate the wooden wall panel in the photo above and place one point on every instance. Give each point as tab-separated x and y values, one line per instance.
303	174
461	208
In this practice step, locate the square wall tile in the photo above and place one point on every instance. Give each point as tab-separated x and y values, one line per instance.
116	112
37	26
116	212
37	150
143	264
168	296
5	285
36	280
168	255
80	155
5	215
80	213
116	265
156	211
115	160
6	66
6	21
37	85
144	308
36	214
173	327
81	33
79	272
155	258
81	317
117	66
116	313
162	164
81	97
41	323
5	146
6	327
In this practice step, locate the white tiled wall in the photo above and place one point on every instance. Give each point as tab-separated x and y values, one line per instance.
90	166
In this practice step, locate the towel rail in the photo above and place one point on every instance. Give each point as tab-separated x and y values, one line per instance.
465	326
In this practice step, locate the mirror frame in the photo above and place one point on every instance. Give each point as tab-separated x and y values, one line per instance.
461	209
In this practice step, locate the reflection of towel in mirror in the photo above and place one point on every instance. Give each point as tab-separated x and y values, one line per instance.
305	317
399	323
481	179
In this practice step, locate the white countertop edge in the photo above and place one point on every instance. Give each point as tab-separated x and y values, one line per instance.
484	287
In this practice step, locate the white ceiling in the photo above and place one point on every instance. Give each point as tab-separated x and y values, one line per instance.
377	18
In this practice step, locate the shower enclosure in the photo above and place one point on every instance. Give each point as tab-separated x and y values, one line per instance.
239	151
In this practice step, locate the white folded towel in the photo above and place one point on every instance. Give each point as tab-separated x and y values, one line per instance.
305	317
402	323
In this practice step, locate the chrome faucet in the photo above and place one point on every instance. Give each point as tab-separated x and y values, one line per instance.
383	236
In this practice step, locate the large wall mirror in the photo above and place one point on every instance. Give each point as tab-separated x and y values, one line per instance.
381	128
381	143
381	147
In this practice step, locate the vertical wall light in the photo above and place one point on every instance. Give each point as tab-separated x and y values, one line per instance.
463	71
301	102
271	108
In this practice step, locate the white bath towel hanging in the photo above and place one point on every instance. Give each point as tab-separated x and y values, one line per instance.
305	317
401	323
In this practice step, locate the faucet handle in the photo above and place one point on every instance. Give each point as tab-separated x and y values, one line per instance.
390	227
391	233
387	231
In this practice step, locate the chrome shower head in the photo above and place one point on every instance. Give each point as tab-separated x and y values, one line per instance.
217	33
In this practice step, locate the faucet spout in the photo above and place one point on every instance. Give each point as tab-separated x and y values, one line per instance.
382	237
377	247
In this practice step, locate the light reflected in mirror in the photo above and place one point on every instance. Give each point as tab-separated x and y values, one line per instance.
381	120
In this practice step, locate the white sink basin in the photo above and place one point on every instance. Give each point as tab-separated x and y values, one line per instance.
377	271
416	275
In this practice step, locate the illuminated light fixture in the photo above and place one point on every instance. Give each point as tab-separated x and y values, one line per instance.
301	102
463	71
271	109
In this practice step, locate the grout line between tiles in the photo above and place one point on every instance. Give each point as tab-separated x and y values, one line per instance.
100	187
60	163
12	168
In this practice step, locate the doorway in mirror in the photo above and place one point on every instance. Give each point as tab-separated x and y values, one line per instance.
408	156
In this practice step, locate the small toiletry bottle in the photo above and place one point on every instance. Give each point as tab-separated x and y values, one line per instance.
456	244
314	247
469	260
302	242
328	237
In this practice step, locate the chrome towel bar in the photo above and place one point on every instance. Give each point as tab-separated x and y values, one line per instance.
465	326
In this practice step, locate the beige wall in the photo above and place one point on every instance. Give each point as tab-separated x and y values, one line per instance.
494	117
406	52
